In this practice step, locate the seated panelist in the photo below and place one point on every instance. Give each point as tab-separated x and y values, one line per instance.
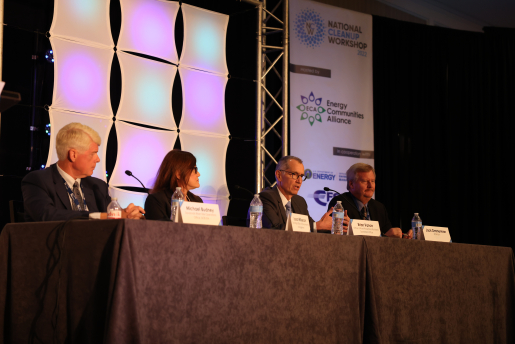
66	190
178	169
283	198
361	183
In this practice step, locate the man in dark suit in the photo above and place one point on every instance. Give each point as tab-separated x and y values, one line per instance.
66	189
358	202
289	174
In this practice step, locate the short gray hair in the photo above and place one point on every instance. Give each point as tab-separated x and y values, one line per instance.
77	136
355	169
284	162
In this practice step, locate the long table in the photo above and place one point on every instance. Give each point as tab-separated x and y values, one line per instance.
121	281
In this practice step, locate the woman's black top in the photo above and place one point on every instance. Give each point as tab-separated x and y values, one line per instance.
158	205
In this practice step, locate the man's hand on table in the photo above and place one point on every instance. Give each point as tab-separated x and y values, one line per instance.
133	212
326	222
394	232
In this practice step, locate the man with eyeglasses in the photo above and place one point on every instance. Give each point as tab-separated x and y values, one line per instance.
283	198
361	183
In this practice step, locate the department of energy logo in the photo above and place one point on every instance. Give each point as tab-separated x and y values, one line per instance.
308	173
311	109
309	27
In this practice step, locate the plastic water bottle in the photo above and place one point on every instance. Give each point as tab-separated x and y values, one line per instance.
416	226
337	227
256	212
177	199
114	211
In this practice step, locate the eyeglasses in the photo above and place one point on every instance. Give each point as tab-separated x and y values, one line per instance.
295	175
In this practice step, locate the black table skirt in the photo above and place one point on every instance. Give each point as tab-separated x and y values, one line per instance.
127	281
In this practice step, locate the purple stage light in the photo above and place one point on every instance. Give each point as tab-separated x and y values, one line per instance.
204	102
81	80
152	30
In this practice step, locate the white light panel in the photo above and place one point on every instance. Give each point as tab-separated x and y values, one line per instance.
146	91
85	21
210	152
127	197
141	151
148	27
82	75
203	107
204	39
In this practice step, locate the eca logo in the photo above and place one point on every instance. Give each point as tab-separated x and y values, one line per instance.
323	197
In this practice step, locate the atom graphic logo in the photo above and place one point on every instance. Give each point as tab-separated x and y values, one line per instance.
309	27
311	109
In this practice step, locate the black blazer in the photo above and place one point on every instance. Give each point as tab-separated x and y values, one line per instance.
45	197
376	209
274	215
158	205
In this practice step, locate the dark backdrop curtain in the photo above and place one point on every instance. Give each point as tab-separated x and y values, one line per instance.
444	107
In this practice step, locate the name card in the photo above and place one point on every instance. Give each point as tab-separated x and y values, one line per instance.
199	213
298	223
364	227
432	233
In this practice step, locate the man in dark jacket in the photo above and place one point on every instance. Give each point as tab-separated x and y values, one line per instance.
66	190
358	202
289	174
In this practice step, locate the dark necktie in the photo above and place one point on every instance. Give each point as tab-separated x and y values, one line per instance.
364	213
78	196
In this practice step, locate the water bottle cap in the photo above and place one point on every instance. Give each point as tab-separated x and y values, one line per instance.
178	188
114	199
416	214
339	202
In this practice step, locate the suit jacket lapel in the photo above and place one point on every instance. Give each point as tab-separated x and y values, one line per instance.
60	190
280	204
89	196
372	210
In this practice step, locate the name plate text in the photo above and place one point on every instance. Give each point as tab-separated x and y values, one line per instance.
364	227
199	213
432	233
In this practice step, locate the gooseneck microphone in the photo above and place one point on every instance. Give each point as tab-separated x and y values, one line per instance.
129	173
240	188
327	189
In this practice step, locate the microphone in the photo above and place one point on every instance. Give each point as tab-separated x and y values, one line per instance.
129	173
240	188
327	189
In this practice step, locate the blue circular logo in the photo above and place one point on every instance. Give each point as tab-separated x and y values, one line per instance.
308	173
309	27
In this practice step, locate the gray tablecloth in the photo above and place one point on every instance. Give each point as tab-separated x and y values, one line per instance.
121	281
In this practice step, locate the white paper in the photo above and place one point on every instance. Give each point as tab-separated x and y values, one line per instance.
432	233
298	223
364	227
199	213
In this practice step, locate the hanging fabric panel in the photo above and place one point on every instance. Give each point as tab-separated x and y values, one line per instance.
203	108
82	75
85	21
141	151
146	91
127	197
210	152
204	39
102	126
148	27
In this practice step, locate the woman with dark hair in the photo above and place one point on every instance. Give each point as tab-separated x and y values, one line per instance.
178	168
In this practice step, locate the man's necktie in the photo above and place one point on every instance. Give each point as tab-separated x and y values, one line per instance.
288	210
78	196
364	213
